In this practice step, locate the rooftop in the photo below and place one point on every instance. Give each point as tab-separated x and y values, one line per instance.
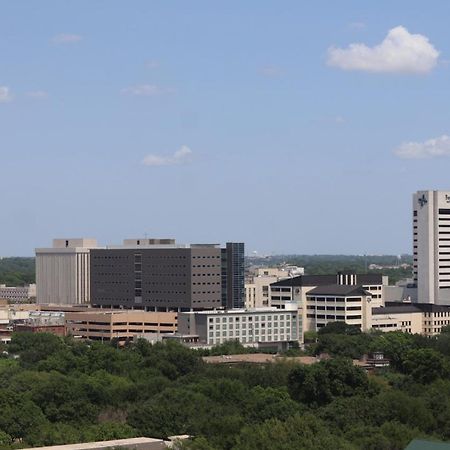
143	443
339	290
320	280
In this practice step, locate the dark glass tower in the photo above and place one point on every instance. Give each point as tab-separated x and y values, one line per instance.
233	275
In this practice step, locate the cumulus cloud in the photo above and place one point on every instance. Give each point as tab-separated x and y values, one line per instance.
65	38
399	52
181	156
5	94
152	64
357	25
145	90
271	71
38	95
432	148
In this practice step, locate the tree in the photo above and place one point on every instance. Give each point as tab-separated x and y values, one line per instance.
339	328
305	432
424	365
319	383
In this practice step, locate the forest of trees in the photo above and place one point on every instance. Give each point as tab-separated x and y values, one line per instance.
58	390
17	271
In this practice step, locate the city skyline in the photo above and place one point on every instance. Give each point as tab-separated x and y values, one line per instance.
174	120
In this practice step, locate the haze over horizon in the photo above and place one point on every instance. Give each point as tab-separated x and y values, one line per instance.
278	125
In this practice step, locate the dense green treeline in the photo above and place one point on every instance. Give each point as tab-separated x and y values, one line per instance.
63	391
331	264
17	271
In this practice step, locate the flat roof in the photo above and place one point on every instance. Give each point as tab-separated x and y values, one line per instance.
320	280
104	444
398	309
339	290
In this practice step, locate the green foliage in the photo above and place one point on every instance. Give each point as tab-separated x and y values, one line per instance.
298	432
339	328
17	271
320	383
424	365
62	391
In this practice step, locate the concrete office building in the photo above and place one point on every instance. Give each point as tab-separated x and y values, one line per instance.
431	246
256	327
159	275
104	325
63	272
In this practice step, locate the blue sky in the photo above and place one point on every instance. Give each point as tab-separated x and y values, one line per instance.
217	121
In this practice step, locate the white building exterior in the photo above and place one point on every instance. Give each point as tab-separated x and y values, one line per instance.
431	246
63	272
248	326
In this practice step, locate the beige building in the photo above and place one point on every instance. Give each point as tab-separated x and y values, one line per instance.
103	325
63	272
257	286
407	318
300	290
347	303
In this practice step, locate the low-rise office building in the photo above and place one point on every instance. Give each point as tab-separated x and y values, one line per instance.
257	327
422	318
102	325
297	290
257	285
347	303
401	317
18	294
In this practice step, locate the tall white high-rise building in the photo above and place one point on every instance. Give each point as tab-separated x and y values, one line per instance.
63	272
431	246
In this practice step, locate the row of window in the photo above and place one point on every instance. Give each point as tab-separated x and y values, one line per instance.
250	319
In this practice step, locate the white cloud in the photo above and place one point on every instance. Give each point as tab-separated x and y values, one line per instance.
66	38
271	71
38	95
145	90
5	94
357	25
432	148
400	52
181	156
152	64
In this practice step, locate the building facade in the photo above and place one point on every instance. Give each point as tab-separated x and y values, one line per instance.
19	294
153	275
431	246
63	272
298	288
103	325
338	303
157	277
258	327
